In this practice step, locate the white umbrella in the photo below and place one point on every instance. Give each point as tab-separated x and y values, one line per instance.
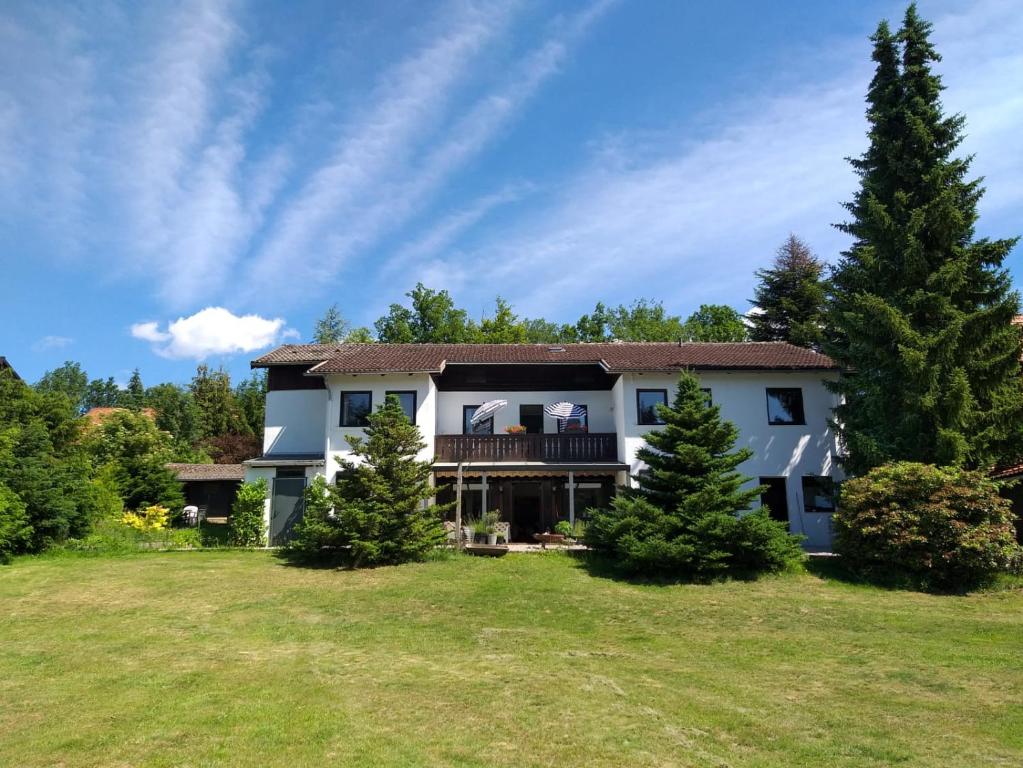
487	410
564	410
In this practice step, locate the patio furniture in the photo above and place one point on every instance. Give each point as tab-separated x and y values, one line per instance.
190	514
503	531
549	538
487	550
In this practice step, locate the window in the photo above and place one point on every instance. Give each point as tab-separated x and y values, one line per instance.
785	406
355	408
485	427
407	398
531	417
647	401
818	494
579	424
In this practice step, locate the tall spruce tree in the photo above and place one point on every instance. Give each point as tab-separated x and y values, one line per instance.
920	310
684	517
790	298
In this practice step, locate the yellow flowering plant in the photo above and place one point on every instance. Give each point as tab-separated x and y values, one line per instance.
151	518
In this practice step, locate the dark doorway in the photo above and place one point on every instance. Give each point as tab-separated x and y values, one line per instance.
286	505
527	510
531	417
775	498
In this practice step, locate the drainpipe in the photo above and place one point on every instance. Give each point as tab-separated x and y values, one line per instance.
571	498
458	508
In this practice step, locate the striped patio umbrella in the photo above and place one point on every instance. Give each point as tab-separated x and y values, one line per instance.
487	410
564	410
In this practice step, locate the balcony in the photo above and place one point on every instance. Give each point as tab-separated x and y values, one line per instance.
584	447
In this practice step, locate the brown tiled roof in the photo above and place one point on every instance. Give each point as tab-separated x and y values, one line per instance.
100	413
616	357
190	472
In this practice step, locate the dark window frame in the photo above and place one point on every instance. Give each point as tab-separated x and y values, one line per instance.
347	392
796	422
539	407
466	430
415	400
827	483
562	423
639	408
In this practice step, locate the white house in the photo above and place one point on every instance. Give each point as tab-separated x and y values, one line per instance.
319	395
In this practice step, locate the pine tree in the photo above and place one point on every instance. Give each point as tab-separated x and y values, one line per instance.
921	312
332	328
790	298
684	517
380	504
136	394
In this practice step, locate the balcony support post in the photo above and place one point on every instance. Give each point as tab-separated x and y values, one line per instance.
571	499
483	489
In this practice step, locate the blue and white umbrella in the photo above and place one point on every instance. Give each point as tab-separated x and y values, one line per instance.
564	410
487	410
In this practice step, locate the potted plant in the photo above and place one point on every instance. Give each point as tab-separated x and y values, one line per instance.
515	429
490	521
479	530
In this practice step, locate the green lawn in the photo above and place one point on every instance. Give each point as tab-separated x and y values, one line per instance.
234	658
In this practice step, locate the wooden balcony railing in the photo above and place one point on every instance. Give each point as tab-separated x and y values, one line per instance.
574	447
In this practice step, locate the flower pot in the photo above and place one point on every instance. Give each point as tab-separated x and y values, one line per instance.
492	539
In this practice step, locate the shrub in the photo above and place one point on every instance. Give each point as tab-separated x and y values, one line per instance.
685	517
936	528
248	527
316	535
151	518
15	530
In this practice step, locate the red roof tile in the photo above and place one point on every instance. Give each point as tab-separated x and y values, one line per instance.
616	357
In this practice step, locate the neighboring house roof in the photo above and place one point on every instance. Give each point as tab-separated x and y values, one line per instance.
615	357
102	413
5	365
208	472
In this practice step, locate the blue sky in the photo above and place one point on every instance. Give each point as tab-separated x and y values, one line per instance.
200	180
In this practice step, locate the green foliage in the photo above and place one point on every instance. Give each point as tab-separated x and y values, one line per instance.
104	393
503	328
333	328
380	505
15	529
42	463
176	412
790	298
68	380
135	395
433	318
251	397
128	449
684	517
920	310
714	322
937	528
218	409
247	523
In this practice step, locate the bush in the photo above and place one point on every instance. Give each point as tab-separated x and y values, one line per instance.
248	527
925	526
151	518
15	531
316	535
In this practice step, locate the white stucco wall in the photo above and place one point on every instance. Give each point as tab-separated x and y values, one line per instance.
790	451
426	410
294	421
449	408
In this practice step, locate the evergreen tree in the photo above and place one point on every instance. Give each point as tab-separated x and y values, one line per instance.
714	322
103	393
251	397
136	393
684	517
332	328
920	311
218	410
790	298
380	504
176	412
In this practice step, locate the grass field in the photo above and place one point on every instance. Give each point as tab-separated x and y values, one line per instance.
234	658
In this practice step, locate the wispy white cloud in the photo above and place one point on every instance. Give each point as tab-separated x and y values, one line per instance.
211	331
47	343
689	221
